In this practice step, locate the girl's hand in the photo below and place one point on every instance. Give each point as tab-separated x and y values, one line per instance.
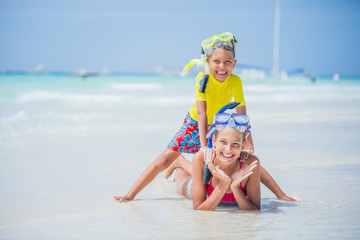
218	173
242	174
245	153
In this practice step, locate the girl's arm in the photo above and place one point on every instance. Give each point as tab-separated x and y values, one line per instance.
253	200
200	202
266	178
203	122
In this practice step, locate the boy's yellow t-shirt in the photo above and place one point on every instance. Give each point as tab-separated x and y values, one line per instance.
218	94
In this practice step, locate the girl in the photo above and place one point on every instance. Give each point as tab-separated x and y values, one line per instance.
232	181
222	88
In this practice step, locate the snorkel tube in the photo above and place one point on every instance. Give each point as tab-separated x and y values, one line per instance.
203	82
200	62
207	173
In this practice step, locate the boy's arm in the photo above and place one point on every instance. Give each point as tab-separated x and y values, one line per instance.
248	144
203	122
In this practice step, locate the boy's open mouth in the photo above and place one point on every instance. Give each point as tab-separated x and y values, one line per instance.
221	73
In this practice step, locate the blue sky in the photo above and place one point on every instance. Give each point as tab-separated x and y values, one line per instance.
137	36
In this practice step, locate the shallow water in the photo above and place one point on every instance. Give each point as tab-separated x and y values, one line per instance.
67	146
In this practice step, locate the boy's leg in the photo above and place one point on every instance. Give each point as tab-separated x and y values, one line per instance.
158	165
270	183
180	162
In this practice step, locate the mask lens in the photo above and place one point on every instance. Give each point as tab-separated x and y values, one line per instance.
222	118
240	128
225	36
241	119
220	127
208	42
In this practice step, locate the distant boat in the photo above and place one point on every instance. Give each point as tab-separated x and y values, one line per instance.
253	72
84	73
336	77
40	68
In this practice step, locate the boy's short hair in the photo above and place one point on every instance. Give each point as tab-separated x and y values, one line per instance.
224	46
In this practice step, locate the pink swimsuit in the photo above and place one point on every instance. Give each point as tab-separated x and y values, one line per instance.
228	197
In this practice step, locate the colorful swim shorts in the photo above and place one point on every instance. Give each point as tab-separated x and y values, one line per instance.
187	139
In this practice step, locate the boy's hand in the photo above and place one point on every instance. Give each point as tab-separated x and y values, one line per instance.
245	153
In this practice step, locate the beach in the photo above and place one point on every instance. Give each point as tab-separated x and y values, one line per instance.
68	145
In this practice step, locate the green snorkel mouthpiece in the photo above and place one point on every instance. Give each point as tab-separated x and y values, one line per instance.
200	62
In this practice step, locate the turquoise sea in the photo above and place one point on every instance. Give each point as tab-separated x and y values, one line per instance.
68	144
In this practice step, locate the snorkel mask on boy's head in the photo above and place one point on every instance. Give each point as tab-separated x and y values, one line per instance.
225	40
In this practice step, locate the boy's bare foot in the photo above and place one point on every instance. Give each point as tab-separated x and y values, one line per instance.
121	199
171	169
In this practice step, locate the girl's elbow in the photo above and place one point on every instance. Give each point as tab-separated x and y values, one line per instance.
256	208
197	207
200	208
252	209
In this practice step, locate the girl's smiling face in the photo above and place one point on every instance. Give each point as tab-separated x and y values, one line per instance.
228	145
221	63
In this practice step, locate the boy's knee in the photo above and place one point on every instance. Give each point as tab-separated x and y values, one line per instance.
162	163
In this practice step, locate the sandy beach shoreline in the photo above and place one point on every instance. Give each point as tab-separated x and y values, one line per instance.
61	165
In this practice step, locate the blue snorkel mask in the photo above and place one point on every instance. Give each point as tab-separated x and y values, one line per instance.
239	122
221	121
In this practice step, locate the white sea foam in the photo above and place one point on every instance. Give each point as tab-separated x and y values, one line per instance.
300	97
267	88
74	117
137	86
294	93
124	99
19	116
309	116
43	96
53	123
